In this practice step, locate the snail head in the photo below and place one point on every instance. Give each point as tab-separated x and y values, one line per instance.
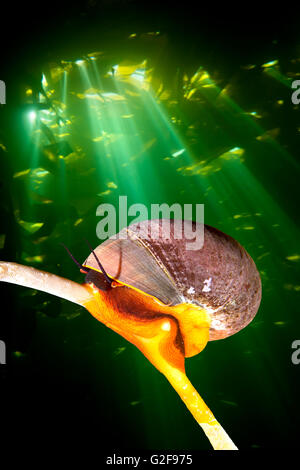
100	280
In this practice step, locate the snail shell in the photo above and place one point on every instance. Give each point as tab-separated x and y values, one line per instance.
220	277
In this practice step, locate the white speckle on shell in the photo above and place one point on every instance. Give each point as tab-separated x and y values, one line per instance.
191	290
218	324
207	284
210	309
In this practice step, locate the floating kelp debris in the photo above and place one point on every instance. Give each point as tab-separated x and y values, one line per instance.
71	316
39	173
263	255
40	240
248	67
135	74
19	354
110	96
146	146
233	154
269	64
178	153
61	136
256	324
104	193
2	240
127	68
75	157
254	114
30	227
33	259
245	215
245	227
293	257
119	350
108	138
205	169
77	222
239	216
38	198
268	135
112	185
201	80
57	149
230	403
21	174
292	287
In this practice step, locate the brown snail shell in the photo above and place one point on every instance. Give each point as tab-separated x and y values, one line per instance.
220	277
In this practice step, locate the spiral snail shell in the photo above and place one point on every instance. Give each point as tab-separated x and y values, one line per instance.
220	277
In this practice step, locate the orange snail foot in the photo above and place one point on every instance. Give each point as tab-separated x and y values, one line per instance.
165	339
142	322
194	323
165	334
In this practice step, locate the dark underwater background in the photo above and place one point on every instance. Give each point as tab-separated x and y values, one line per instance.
169	106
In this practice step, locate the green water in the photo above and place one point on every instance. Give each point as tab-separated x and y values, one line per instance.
136	118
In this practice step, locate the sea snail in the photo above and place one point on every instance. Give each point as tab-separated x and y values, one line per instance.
167	300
